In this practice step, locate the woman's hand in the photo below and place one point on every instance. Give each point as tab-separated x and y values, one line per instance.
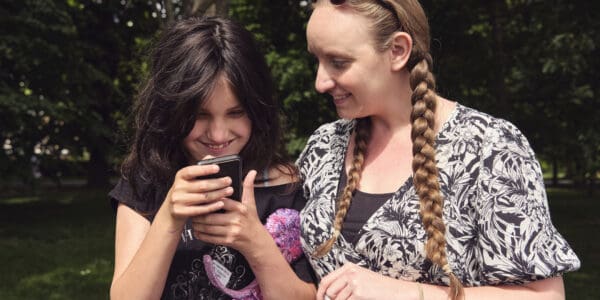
354	282
239	227
190	196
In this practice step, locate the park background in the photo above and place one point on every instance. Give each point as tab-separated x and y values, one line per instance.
69	71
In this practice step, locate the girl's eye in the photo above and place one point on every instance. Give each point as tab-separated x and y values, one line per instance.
238	113
202	115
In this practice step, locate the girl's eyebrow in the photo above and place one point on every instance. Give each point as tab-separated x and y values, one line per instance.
236	107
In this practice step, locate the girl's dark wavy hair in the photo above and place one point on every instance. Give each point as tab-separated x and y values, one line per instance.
187	60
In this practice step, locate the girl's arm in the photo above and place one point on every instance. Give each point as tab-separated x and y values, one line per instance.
144	251
241	229
143	254
365	284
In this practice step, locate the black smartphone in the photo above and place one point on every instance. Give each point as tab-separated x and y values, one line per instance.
229	165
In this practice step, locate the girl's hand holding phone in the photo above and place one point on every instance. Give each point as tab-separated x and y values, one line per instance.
190	196
239	227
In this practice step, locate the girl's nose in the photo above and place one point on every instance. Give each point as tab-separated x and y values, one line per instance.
217	131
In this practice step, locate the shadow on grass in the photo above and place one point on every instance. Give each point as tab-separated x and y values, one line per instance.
576	216
56	245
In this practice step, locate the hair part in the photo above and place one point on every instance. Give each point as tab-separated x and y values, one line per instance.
410	18
187	60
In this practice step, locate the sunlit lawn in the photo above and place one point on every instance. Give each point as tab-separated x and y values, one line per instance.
59	245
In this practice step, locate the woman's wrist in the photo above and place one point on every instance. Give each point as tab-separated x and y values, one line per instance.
429	291
420	290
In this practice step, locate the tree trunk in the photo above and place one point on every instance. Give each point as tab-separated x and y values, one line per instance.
554	172
98	169
169	11
498	11
197	8
222	8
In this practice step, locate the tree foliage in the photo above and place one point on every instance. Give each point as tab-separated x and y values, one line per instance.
531	62
70	69
68	73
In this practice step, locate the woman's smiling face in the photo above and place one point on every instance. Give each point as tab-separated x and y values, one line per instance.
350	69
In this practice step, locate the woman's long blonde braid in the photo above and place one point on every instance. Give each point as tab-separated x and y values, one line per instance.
425	172
361	138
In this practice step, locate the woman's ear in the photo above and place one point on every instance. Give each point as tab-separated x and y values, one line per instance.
400	50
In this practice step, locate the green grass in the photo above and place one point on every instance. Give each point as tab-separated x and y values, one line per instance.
59	244
56	245
577	217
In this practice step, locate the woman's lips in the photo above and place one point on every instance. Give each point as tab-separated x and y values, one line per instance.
339	99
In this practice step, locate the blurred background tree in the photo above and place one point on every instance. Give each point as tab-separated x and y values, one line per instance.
69	71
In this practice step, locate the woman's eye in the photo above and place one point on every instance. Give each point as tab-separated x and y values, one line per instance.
314	62
338	63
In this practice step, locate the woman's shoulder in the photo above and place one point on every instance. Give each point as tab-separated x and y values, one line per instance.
330	135
485	134
335	128
329	140
481	124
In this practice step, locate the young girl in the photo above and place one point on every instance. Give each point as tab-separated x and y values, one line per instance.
410	195
209	94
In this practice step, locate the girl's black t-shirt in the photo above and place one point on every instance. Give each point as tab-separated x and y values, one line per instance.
205	271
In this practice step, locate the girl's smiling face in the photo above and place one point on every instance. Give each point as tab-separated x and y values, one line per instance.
222	126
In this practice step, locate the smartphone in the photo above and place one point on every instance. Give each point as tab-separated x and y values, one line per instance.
229	165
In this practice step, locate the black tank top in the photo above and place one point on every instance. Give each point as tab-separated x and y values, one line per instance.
363	205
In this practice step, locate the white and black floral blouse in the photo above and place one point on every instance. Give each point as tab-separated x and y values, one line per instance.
496	212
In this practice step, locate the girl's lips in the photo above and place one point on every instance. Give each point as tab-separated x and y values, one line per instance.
216	148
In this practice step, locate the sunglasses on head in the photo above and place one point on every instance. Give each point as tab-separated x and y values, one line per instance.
334	2
382	3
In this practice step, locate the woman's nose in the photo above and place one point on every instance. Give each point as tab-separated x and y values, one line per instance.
323	82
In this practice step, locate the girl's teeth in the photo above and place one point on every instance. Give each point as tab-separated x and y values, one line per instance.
221	146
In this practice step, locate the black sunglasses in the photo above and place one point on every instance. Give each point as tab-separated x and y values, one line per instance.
334	2
382	3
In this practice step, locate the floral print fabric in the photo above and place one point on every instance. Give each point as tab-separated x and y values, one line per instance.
498	230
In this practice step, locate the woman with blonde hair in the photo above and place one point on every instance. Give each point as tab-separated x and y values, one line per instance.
411	195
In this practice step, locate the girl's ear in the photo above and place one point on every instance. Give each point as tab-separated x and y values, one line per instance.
400	50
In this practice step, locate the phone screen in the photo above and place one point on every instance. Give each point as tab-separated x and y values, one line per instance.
229	165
